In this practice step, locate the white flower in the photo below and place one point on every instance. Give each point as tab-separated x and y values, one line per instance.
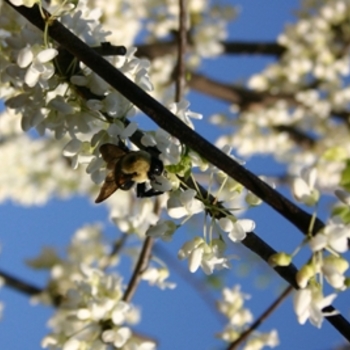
169	147
334	236
308	304
258	82
157	276
305	273
119	131
232	306
237	231
181	111
119	312
304	187
79	152
38	62
118	337
161	183
199	253
184	203
333	268
258	341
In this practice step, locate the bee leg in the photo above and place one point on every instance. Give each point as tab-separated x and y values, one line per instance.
141	191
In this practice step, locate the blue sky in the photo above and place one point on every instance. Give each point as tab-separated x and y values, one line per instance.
179	319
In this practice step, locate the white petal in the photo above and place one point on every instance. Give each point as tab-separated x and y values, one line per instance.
129	130
78	80
161	184
247	225
123	335
26	123
71	344
32	76
177	213
312	176
148	141
72	148
95	165
318	242
37	118
25	57
94	105
237	234
187	196
83	314
46	55
195	259
339	244
195	206
38	66
175	208
300	188
302	300
225	224
109	335
326	301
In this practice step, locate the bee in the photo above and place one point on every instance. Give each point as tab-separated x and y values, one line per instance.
127	168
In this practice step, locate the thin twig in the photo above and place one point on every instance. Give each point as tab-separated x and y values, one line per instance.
234	345
19	285
116	248
198	285
182	42
140	267
142	262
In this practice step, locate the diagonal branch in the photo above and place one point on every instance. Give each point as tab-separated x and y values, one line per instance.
19	285
169	122
234	345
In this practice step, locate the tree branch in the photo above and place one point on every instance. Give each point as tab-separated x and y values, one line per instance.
234	345
163	48
182	43
19	285
253	48
142	262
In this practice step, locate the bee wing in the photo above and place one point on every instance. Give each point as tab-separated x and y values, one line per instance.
108	188
111	154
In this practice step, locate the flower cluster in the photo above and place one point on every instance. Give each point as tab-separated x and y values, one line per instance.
90	311
239	318
92	315
326	263
306	89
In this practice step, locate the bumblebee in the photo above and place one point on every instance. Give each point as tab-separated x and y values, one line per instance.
127	168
